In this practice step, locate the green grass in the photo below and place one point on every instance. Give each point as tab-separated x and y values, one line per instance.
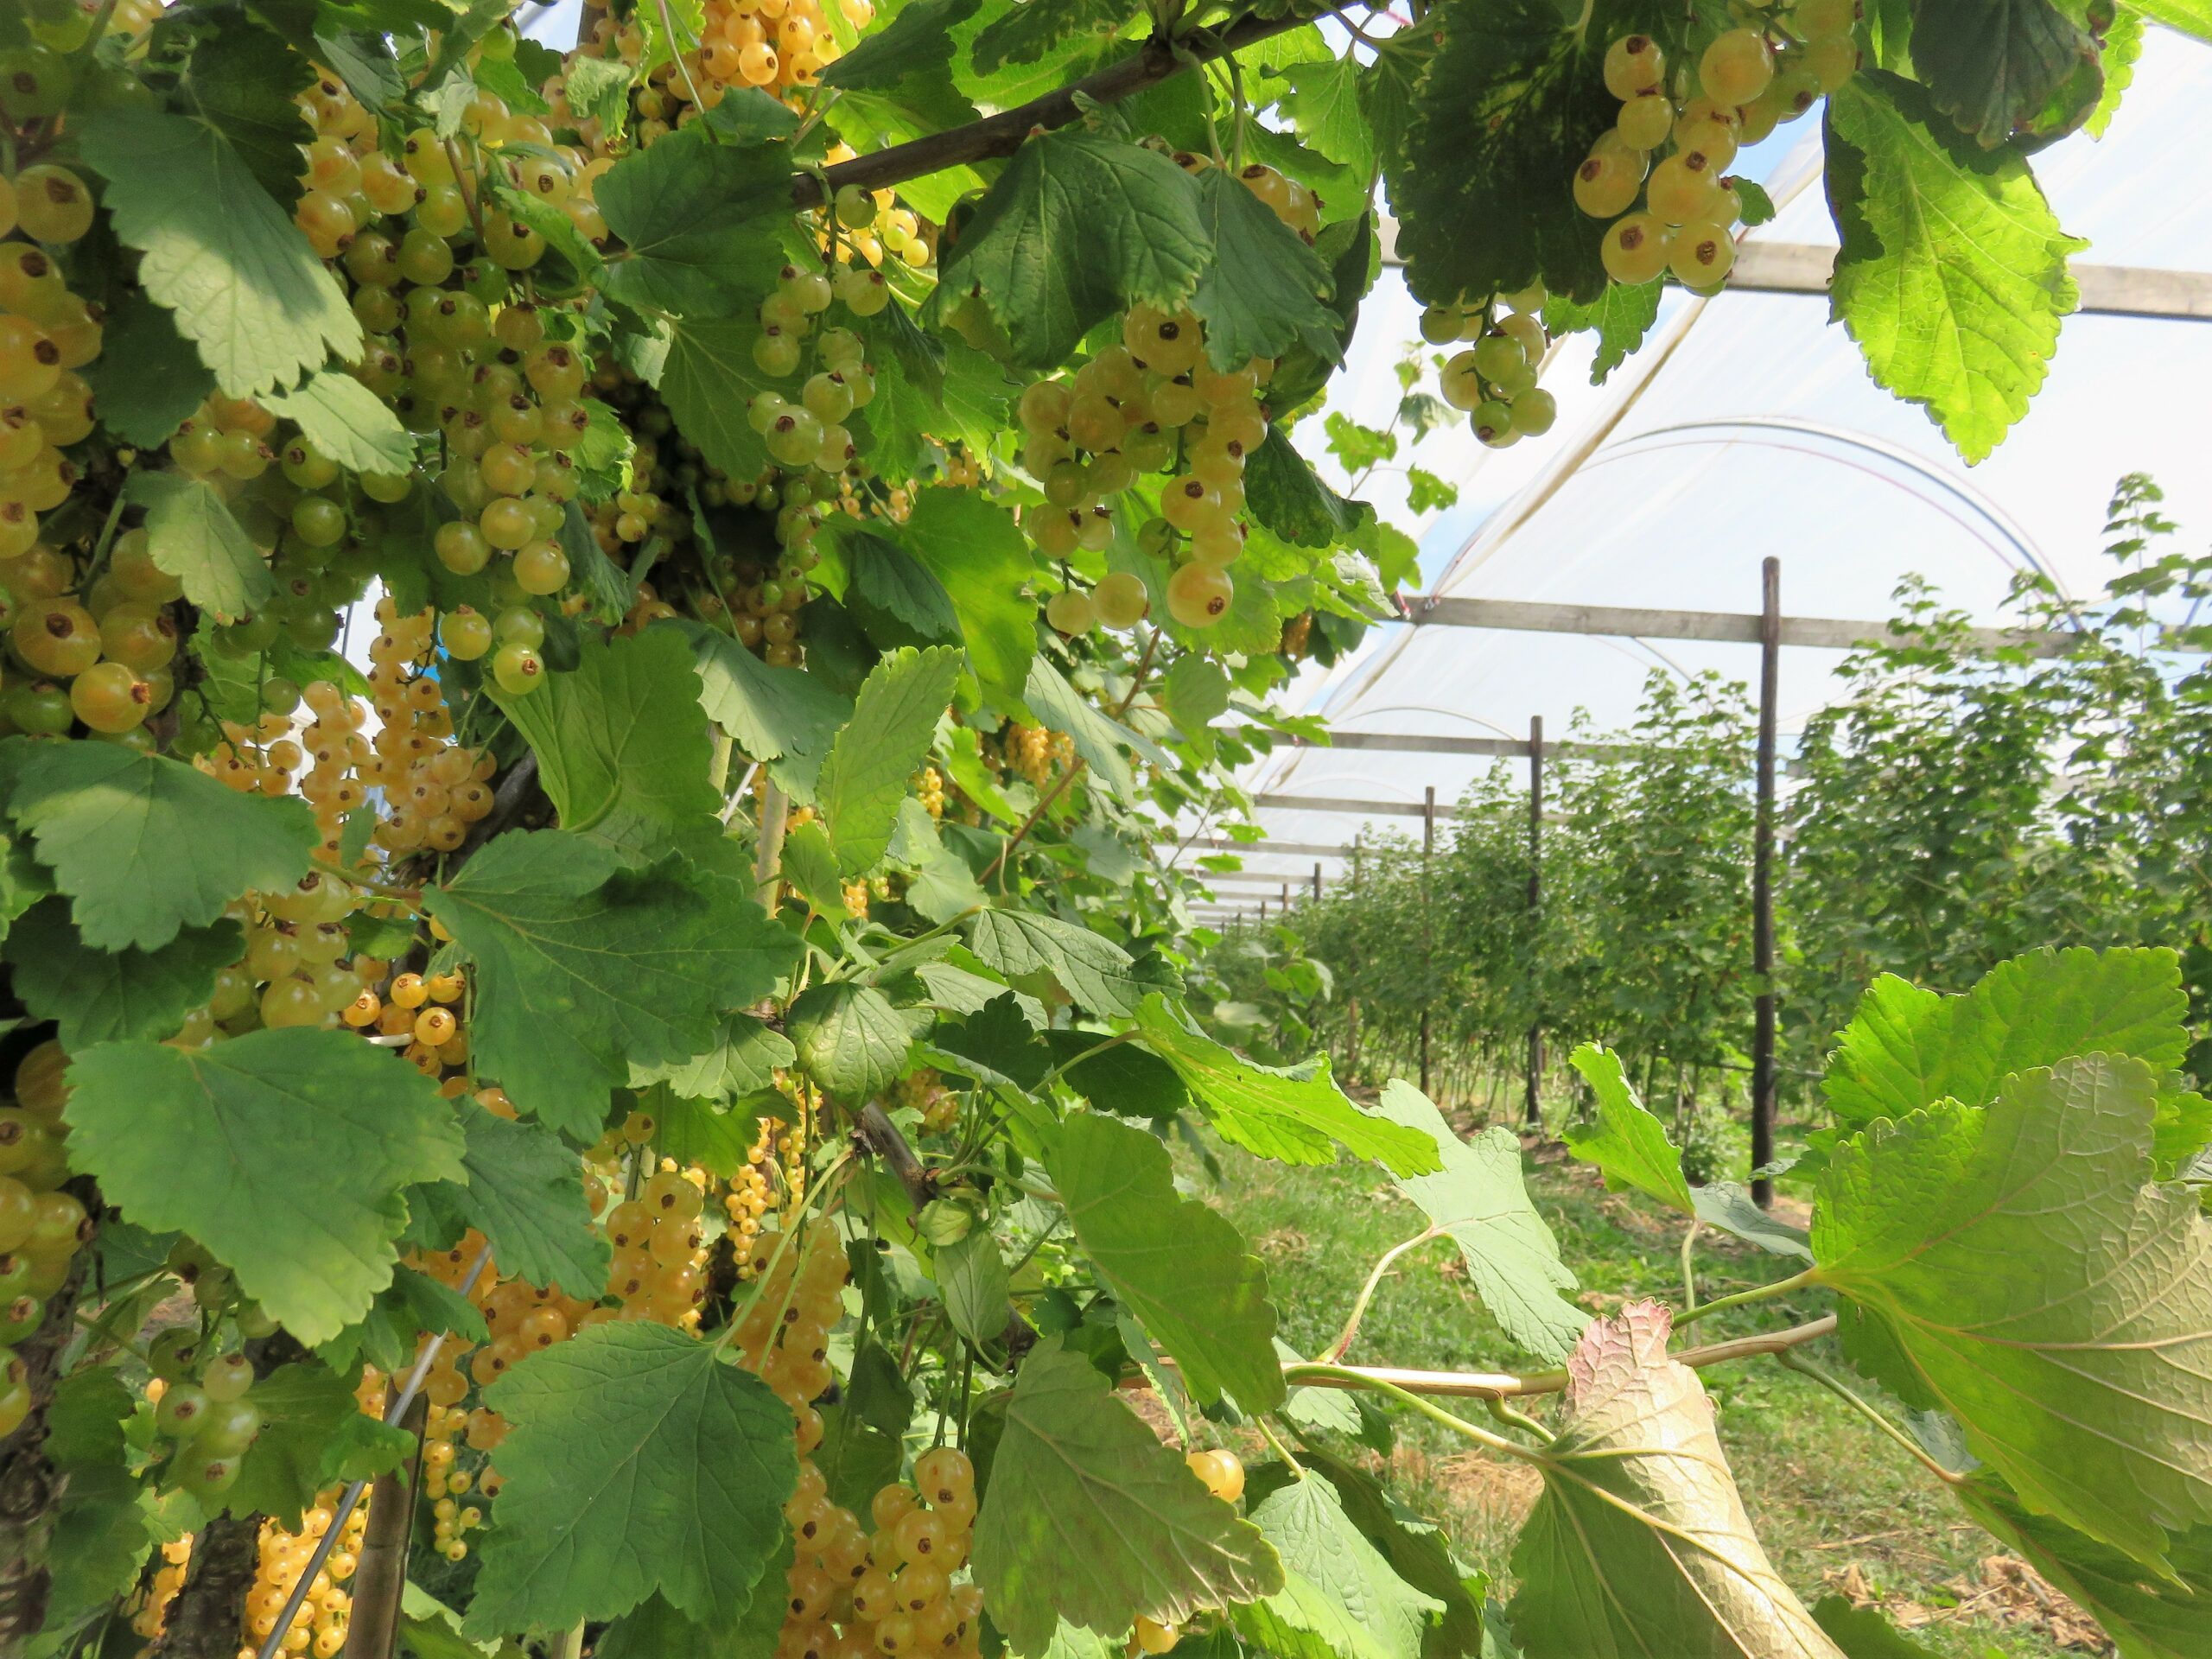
1825	1490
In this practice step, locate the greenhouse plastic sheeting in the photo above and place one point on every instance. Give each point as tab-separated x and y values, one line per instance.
1748	427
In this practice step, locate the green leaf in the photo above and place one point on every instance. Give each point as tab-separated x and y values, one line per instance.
2030	1283
2189	17
917	41
1293	1117
598	90
770	713
894	596
1125	1080
1090	968
1417	1549
1323	103
2148	1618
1862	1632
719	1139
1261	292
640	1459
864	778
744	1059
1087	1517
241	81
346	420
896	85
110	822
100	1533
523	1191
284	1152
848	1037
1513	94
2122	50
972	1274
943	887
147	380
1175	1262
1287	498
313	1432
1952	277
689	18
1640	1543
219	251
1728	1207
981	557
1628	1145
1906	1048
414	1305
586	968
1025	32
1479	1199
1622	315
100	996
621	742
809	864
1993	65
863	1432
1340	1599
700	220
1078	229
1098	737
190	533
708	383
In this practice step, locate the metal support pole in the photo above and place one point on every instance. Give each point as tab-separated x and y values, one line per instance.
1317	880
1533	1109
1763	885
1428	847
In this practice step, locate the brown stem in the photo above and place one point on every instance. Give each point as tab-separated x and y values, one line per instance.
209	1613
30	1486
206	1617
1030	823
382	1575
881	1134
1002	134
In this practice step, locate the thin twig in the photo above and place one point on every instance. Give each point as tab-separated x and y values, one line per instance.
1834	1385
1483	1385
1337	1349
1744	1298
1689	1266
1030	823
1000	135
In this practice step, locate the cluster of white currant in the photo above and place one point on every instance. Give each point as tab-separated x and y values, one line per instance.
1493	378
1748	81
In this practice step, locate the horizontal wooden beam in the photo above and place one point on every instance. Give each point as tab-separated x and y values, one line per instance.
1438	743
1739	627
1764	267
1262	849
1340	804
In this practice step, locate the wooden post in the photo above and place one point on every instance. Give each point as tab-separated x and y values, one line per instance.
382	1575
1533	1110
1286	898
1428	847
1352	1002
1317	879
1762	1010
